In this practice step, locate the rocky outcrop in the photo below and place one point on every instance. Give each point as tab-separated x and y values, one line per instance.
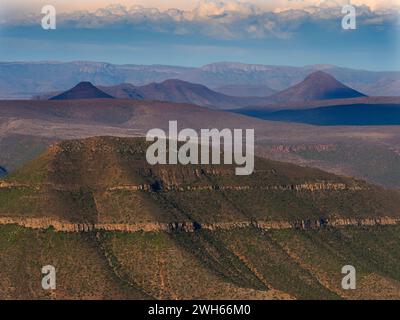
313	187
12	185
190	226
309	187
141	187
46	223
282	148
322	186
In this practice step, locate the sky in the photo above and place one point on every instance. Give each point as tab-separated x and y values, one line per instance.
68	5
198	32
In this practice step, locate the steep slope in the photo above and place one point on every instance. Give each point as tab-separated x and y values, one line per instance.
317	86
83	90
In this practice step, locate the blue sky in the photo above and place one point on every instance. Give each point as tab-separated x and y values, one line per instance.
197	33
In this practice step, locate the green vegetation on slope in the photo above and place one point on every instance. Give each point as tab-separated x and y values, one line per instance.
82	271
236	264
374	251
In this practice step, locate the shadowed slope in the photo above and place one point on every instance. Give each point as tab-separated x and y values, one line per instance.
83	90
3	172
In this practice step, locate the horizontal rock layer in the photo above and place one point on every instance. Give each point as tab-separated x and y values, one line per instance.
189	226
319	186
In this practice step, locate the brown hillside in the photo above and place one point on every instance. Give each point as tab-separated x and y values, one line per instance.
107	180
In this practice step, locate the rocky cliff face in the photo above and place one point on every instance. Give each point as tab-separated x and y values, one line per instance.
188	226
312	187
282	148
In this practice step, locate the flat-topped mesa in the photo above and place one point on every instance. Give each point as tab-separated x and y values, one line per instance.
106	181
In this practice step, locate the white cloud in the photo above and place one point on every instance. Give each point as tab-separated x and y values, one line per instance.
220	19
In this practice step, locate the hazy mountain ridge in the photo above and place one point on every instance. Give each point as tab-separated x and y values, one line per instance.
24	79
318	86
178	91
246	90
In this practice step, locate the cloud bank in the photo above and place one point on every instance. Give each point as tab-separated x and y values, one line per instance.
220	19
306	32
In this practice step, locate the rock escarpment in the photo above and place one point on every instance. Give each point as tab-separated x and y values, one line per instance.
188	226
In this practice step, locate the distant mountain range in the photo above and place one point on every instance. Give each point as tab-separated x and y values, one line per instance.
173	90
26	79
317	86
319	100
179	91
